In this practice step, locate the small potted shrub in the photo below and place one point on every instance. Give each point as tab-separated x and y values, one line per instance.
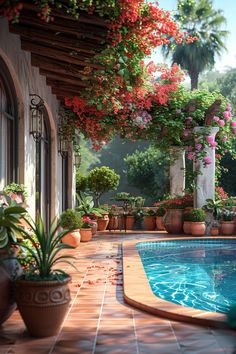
197	218
113	217
71	219
187	223
42	292
149	219
86	229
160	212
227	222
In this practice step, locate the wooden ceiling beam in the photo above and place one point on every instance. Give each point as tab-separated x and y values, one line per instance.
56	54
65	93
83	17
54	39
56	84
63	78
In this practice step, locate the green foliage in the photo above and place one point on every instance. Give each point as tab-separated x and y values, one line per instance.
161	211
227	85
227	215
90	158
187	216
197	215
215	207
16	188
149	212
70	219
102	179
10	214
81	182
86	206
146	171
45	251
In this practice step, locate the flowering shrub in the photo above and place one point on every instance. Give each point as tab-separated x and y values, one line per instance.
176	203
87	222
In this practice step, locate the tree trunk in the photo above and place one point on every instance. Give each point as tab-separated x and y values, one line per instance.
194	80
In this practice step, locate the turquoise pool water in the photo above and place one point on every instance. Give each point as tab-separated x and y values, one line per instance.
195	273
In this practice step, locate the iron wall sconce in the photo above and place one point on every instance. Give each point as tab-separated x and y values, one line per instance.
37	110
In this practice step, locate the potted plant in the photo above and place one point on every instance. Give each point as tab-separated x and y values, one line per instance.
187	222
173	219
10	214
42	292
71	220
86	229
149	219
100	180
227	222
16	191
160	212
197	218
215	208
113	217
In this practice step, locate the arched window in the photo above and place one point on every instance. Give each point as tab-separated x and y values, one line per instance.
8	128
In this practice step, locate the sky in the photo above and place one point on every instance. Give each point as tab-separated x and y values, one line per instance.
228	59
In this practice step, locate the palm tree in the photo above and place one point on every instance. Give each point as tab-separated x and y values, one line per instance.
198	18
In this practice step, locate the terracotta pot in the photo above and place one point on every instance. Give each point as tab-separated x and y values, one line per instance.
198	228
149	222
129	222
43	305
86	234
187	227
94	227
227	227
160	223
72	238
214	231
113	222
9	269
173	221
103	222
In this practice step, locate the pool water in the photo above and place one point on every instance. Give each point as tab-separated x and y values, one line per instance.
195	273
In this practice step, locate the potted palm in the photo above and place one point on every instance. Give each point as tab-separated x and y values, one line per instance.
42	292
197	217
227	222
10	214
71	219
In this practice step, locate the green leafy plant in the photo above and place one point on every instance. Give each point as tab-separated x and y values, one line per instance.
227	215
70	219
149	212
187	216
197	215
86	206
101	180
10	214
215	207
45	250
16	188
160	211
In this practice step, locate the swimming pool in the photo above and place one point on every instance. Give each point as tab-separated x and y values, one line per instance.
196	273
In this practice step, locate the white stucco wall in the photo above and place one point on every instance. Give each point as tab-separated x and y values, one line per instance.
27	81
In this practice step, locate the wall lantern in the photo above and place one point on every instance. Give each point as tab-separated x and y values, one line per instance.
63	145
77	156
37	110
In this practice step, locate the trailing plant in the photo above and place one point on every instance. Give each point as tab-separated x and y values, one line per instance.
45	251
16	188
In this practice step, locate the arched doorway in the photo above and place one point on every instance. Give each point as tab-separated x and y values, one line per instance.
8	128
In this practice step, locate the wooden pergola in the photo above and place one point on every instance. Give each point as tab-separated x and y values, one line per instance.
60	49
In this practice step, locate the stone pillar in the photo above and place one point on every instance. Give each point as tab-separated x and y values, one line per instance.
205	179
177	172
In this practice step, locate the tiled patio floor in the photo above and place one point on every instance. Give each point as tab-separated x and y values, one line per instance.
100	322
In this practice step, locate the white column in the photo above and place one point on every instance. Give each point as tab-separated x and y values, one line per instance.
205	179
177	172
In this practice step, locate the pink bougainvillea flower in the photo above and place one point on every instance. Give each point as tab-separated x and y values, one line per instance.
224	139
234	131
210	139
213	145
216	119
233	123
188	148
227	115
221	123
198	147
190	156
207	160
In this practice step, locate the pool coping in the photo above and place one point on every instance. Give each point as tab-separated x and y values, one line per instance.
138	293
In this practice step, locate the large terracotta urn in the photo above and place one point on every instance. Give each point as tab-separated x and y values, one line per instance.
173	221
72	238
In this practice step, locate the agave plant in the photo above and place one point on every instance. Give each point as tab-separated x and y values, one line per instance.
45	250
10	214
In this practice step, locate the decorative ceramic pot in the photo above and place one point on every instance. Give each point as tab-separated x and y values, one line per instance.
160	223
187	227
149	222
129	219
198	228
86	234
227	227
72	238
9	269
173	221
103	222
113	222
43	305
